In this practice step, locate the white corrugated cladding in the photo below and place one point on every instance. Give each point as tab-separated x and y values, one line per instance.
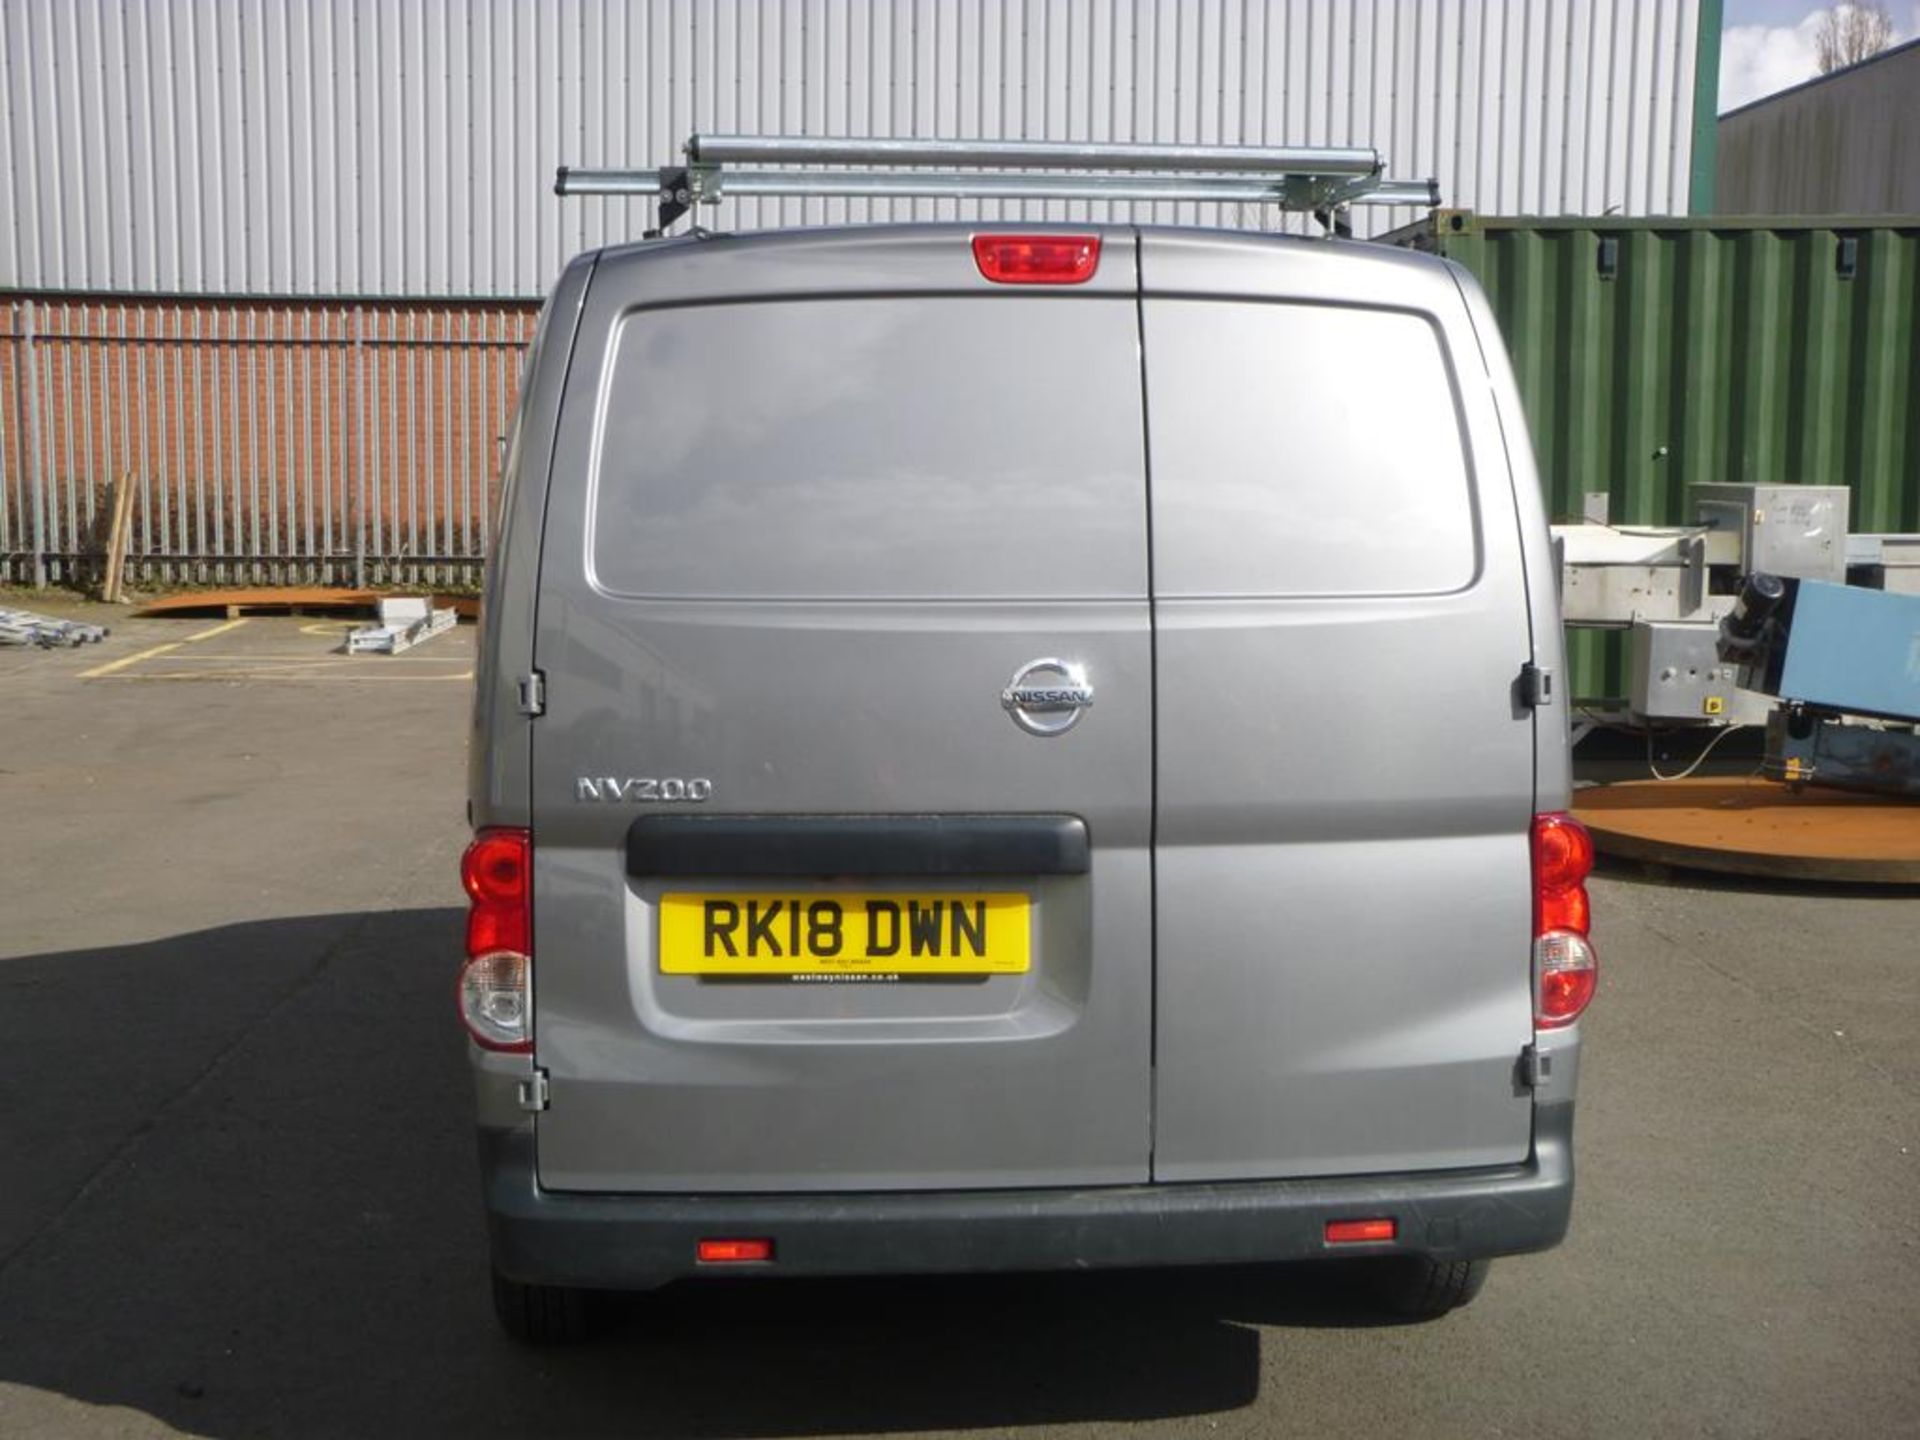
407	147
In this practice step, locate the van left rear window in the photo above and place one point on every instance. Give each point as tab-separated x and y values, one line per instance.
919	447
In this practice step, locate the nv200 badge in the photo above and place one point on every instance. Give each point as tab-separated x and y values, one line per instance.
641	789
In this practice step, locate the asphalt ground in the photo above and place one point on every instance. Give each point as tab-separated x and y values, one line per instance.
238	1195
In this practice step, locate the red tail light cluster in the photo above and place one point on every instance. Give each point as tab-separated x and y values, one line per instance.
1037	259
1565	968
496	983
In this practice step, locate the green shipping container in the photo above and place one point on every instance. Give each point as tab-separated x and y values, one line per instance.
1655	353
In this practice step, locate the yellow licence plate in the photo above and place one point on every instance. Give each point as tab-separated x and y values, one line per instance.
810	936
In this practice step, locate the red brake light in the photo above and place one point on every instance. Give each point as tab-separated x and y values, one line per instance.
496	995
1563	909
1565	967
1562	851
494	869
1037	259
492	928
734	1252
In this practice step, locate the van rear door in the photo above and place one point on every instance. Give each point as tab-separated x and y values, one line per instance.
1344	772
819	502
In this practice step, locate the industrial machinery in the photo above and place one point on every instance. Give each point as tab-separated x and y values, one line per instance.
1845	664
1767	611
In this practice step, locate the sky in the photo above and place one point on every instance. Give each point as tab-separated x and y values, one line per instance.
1767	45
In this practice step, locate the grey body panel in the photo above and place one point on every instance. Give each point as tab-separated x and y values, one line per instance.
1298	949
1343	914
807	696
499	752
1559	1050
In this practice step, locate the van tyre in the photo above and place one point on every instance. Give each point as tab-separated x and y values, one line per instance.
1418	1287
543	1314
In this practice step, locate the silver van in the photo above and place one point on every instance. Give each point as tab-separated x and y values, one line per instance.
1015	748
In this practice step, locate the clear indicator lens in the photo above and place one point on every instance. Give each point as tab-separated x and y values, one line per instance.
496	1000
1566	972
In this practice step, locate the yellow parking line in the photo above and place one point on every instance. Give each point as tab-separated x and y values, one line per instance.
125	660
334	658
240	677
269	659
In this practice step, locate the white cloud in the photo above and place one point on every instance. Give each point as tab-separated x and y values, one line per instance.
1758	60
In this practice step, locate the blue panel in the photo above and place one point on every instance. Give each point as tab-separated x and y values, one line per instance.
1855	650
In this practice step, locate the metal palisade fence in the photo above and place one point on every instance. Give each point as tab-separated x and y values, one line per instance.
265	442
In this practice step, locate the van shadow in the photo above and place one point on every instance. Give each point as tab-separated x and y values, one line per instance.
243	1200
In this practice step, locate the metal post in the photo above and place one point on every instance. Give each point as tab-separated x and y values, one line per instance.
359	518
8	504
30	369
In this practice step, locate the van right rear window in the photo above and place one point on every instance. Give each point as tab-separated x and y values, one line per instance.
917	447
1303	450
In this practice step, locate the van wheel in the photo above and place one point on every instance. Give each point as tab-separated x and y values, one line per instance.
543	1314
1418	1287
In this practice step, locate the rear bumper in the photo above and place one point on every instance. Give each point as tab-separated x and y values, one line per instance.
642	1241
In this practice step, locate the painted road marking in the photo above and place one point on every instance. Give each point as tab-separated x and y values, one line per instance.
334	658
289	674
111	666
279	664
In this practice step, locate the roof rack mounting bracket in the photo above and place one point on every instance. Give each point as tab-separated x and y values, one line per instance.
676	198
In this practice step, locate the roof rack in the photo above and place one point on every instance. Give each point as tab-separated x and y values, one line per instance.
1320	180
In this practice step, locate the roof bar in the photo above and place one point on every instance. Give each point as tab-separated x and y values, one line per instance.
1026	154
1298	191
1320	180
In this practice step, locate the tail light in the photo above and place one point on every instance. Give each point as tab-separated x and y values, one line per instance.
496	983
1037	259
1565	968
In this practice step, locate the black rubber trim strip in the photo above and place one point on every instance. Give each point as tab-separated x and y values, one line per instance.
642	1241
861	845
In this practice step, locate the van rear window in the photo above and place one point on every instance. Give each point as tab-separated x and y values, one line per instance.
1304	450
916	447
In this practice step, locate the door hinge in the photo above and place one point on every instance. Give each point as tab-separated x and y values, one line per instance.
1536	686
533	693
1536	1070
534	1093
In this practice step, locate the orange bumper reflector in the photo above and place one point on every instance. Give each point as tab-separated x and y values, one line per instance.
1348	1232
735	1252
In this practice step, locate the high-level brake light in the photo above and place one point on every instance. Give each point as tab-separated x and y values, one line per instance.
1037	259
496	983
1565	967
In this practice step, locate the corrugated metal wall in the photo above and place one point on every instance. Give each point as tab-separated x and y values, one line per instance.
1845	144
407	147
1718	350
